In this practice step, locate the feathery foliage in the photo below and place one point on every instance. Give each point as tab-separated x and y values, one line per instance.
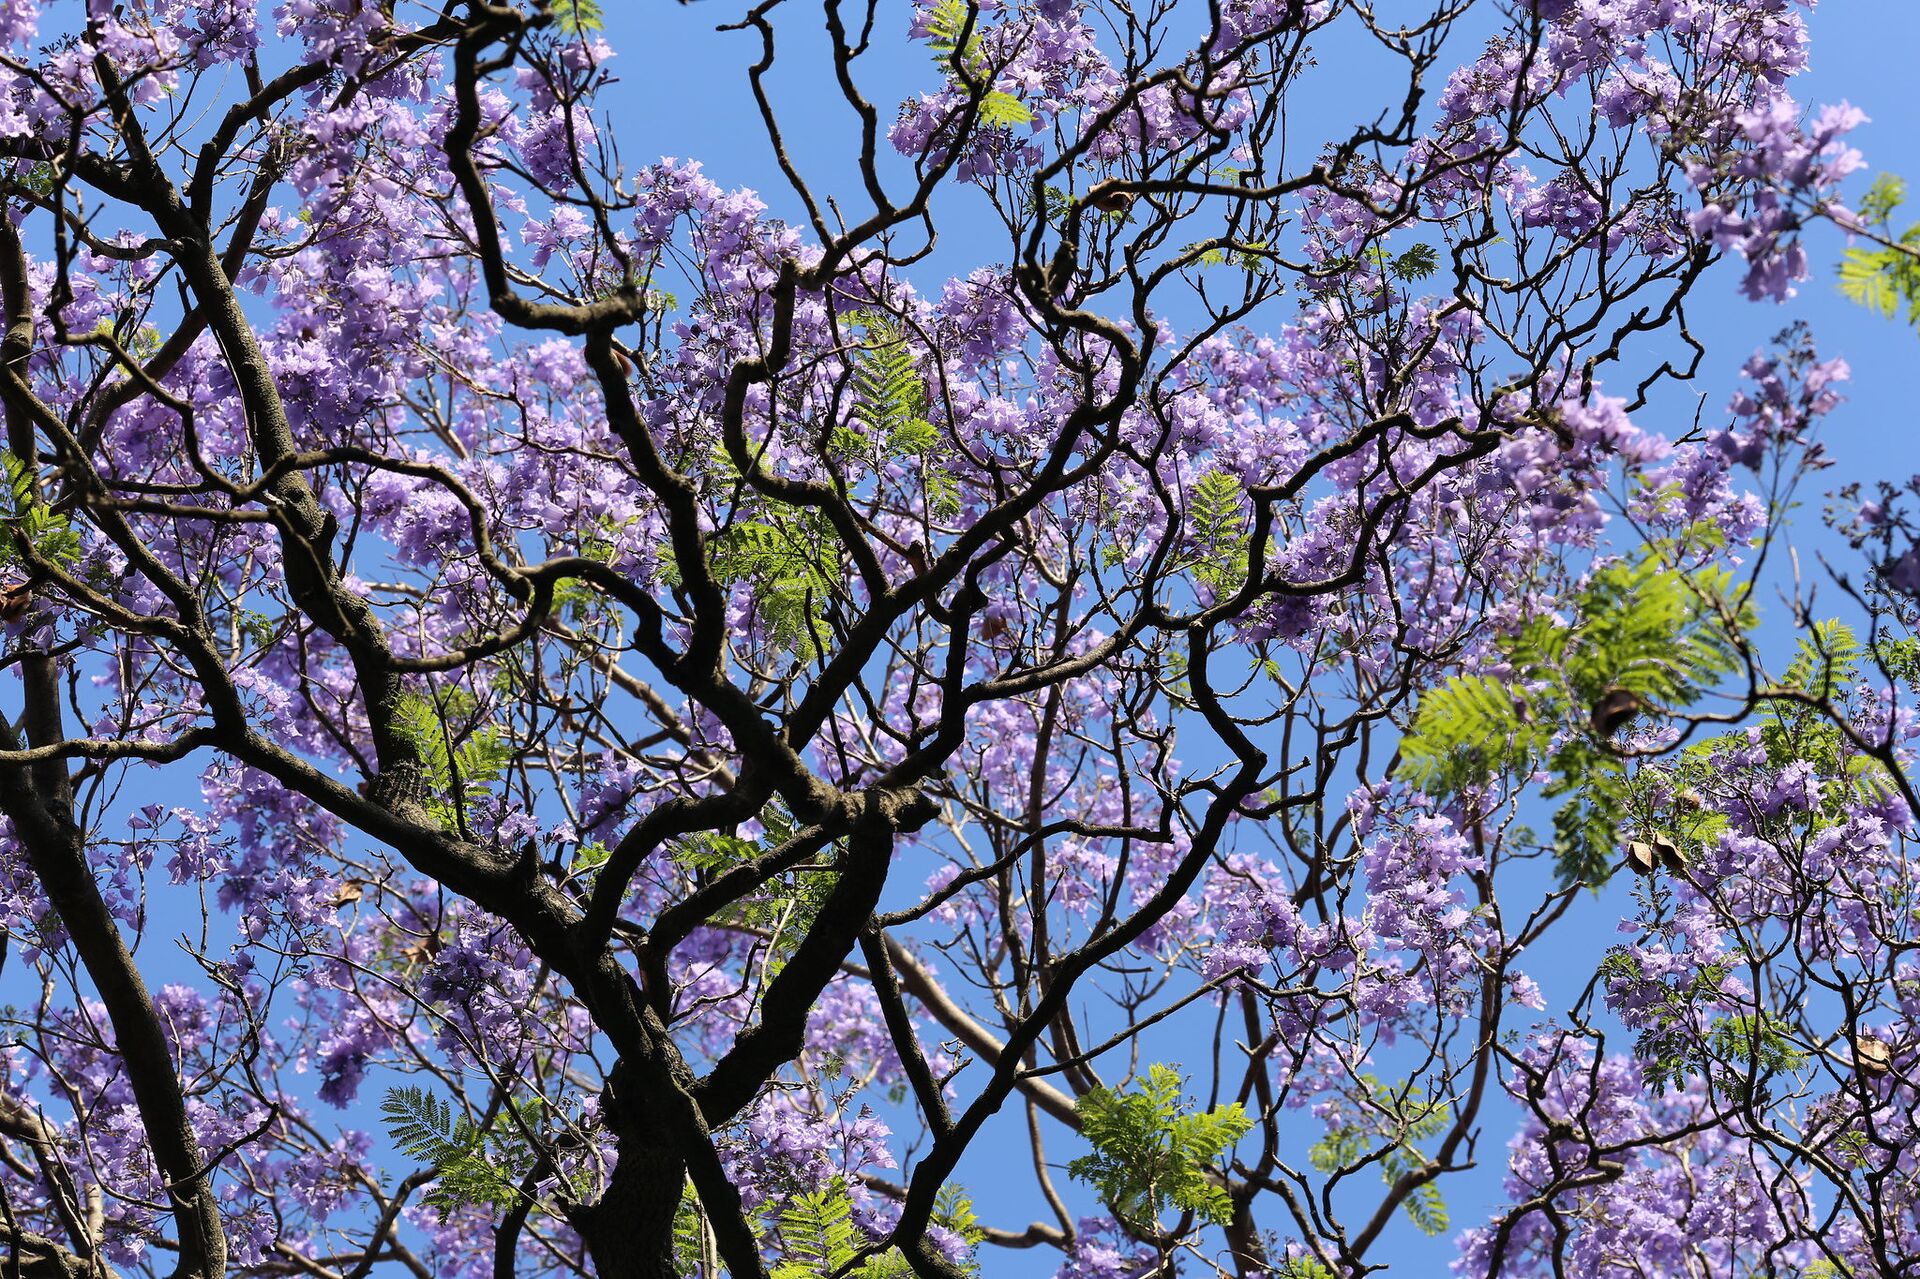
792	584
1216	530
1417	263
460	760
578	17
48	534
1644	640
953	1209
890	409
889	394
469	1165
787	904
1683	1037
692	1249
817	1234
953	43
1884	277
1825	660
1667	797
1304	1266
1150	1152
1424	1205
818	1238
1389	1126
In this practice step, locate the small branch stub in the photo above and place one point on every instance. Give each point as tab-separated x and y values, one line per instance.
1613	709
1108	197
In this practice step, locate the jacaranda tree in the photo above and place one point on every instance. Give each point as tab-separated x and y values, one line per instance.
555	723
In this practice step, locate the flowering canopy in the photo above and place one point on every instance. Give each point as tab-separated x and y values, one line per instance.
696	719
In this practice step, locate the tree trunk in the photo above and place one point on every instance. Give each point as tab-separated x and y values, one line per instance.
629	1231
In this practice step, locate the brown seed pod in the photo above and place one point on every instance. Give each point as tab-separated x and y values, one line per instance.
14	601
423	950
1615	707
1875	1056
1656	852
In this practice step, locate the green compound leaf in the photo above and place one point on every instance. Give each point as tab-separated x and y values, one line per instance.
24	517
946	23
1644	640
460	759
469	1169
1151	1153
791	581
578	17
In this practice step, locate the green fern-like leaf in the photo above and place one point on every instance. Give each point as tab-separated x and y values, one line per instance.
459	764
1870	277
1417	263
1341	1146
1384	1124
943	493
946	27
1216	510
889	395
792	585
1825	660
1660	634
1644	640
1001	110
1151	1153
946	23
1424	1205
1886	194
694	1248
891	1264
817	1234
712	851
1427	1209
420	1124
915	437
1884	277
578	17
1749	1050
467	1171
890	410
25	518
953	1209
1586	828
1216	522
1467	732
1251	256
1304	1266
417	719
